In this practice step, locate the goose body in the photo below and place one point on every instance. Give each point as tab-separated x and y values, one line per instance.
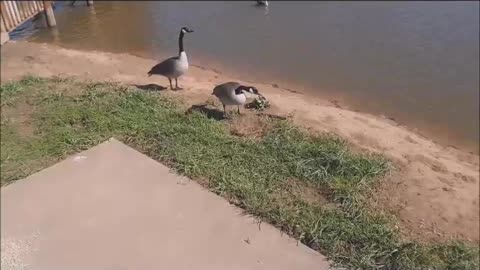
233	93
172	67
226	94
176	66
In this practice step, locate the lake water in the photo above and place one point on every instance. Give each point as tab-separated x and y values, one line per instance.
417	62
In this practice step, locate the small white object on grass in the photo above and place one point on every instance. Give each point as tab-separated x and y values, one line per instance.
79	158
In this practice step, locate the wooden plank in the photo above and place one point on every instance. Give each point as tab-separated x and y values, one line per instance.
25	9
40	5
8	15
31	8
3	26
11	14
36	7
4	15
15	11
17	14
21	13
6	18
21	10
4	37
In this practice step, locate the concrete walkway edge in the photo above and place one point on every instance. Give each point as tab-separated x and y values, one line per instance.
111	207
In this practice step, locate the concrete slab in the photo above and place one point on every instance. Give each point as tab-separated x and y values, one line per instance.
112	207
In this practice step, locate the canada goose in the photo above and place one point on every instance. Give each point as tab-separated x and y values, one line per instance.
176	66
262	3
233	93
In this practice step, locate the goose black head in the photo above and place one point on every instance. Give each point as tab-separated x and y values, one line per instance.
244	89
253	90
186	30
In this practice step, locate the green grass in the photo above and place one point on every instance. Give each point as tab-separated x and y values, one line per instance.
68	116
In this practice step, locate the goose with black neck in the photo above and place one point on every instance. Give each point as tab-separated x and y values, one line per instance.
233	93
173	67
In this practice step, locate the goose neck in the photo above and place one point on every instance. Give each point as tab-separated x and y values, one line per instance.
240	89
180	43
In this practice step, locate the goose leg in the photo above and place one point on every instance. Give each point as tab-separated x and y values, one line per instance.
238	109
224	109
176	84
171	86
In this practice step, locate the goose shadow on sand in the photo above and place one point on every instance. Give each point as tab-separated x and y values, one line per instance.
150	87
209	112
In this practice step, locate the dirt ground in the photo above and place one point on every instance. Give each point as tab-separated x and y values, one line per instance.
433	190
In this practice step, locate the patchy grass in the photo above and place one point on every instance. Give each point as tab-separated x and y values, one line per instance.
69	116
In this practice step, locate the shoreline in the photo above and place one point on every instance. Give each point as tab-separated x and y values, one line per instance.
435	187
437	134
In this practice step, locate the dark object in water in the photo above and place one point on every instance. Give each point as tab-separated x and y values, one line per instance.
262	3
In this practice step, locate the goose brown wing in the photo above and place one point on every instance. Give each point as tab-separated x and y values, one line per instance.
164	68
224	89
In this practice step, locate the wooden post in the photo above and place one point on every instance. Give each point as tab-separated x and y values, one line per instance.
89	2
4	37
50	16
2	25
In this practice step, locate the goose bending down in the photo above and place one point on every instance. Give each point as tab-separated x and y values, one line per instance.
233	93
262	3
176	66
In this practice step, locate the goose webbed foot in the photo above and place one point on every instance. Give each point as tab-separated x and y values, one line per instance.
225	113
176	85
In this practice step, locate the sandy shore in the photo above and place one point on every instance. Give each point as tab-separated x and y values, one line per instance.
434	192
